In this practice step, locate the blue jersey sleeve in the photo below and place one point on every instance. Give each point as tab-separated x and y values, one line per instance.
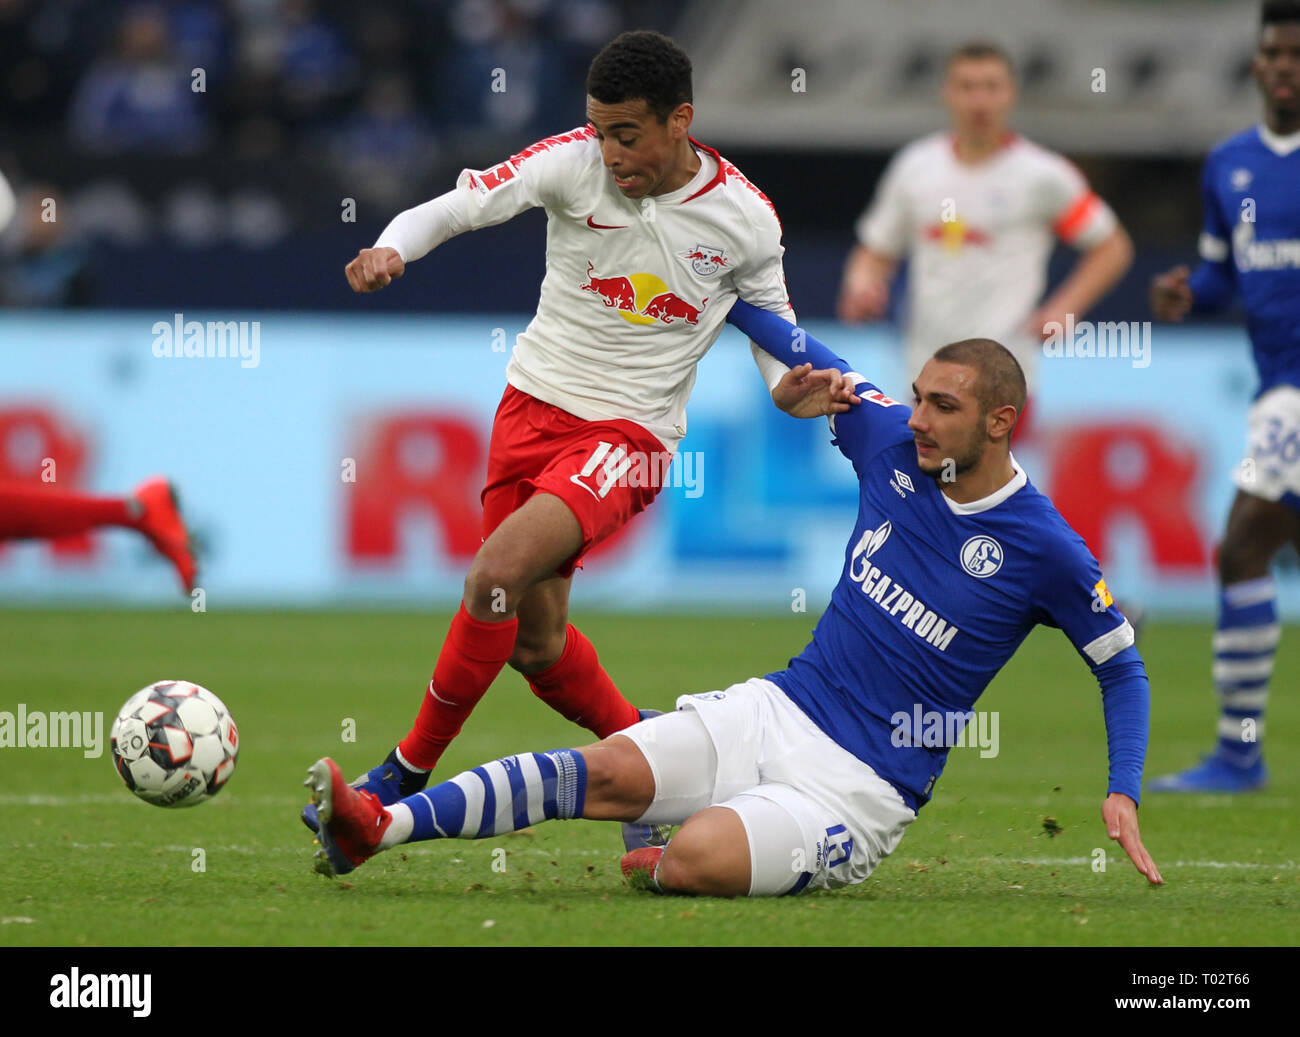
1213	282
1126	702
1072	595
860	433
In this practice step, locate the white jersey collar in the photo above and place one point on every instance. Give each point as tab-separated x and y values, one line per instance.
1277	143
995	498
707	171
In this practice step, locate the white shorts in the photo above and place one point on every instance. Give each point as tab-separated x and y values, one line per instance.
1271	467
816	816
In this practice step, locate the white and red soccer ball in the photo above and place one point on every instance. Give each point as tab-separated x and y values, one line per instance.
174	744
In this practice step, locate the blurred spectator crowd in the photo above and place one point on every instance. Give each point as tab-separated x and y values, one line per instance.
212	120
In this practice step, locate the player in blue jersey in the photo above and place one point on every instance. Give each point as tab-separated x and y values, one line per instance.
1250	245
807	778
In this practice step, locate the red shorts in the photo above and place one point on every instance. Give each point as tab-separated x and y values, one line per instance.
598	468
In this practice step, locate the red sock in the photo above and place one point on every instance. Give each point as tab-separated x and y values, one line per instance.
42	512
577	687
471	657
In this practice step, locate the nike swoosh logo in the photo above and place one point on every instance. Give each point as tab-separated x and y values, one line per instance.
444	701
591	222
577	481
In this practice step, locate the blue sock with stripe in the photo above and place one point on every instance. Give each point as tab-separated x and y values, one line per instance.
1244	644
502	796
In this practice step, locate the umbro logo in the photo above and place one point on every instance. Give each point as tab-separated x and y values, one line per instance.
902	482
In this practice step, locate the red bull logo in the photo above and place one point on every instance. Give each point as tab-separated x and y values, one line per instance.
642	298
705	260
668	307
954	234
616	292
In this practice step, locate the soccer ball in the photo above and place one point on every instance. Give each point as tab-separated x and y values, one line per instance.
174	744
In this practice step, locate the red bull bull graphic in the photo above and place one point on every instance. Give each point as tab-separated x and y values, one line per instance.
626	293
668	308
616	292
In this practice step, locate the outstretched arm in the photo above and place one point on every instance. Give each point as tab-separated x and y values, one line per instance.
860	432
817	383
1072	595
410	235
538	175
787	342
1126	700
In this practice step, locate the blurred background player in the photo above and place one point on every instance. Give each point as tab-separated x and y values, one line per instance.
42	264
650	236
975	209
1250	244
39	511
7	202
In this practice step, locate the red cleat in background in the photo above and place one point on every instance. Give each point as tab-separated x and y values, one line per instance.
160	520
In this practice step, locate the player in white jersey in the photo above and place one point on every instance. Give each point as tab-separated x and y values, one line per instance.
976	209
650	238
8	205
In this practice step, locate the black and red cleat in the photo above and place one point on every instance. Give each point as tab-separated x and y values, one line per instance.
352	821
639	868
160	520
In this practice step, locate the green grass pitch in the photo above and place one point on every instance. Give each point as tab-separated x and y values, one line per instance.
1003	855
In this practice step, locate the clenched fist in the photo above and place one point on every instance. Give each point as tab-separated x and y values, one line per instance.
374	268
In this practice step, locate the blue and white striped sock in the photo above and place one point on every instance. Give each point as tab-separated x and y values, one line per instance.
502	796
1244	645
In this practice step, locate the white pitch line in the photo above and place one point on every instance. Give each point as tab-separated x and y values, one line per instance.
1067	861
259	851
98	799
1042	801
1058	799
560	853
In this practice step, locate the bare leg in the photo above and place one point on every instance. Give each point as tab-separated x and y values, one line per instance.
523	551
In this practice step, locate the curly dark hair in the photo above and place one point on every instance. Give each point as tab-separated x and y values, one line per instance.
645	65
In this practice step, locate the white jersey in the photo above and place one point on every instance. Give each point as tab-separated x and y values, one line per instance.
7	203
979	238
635	292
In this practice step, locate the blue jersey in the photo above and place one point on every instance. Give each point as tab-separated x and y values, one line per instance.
1250	242
933	599
936	596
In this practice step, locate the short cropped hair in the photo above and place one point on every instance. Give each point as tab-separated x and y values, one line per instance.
1277	12
979	50
642	65
1000	379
